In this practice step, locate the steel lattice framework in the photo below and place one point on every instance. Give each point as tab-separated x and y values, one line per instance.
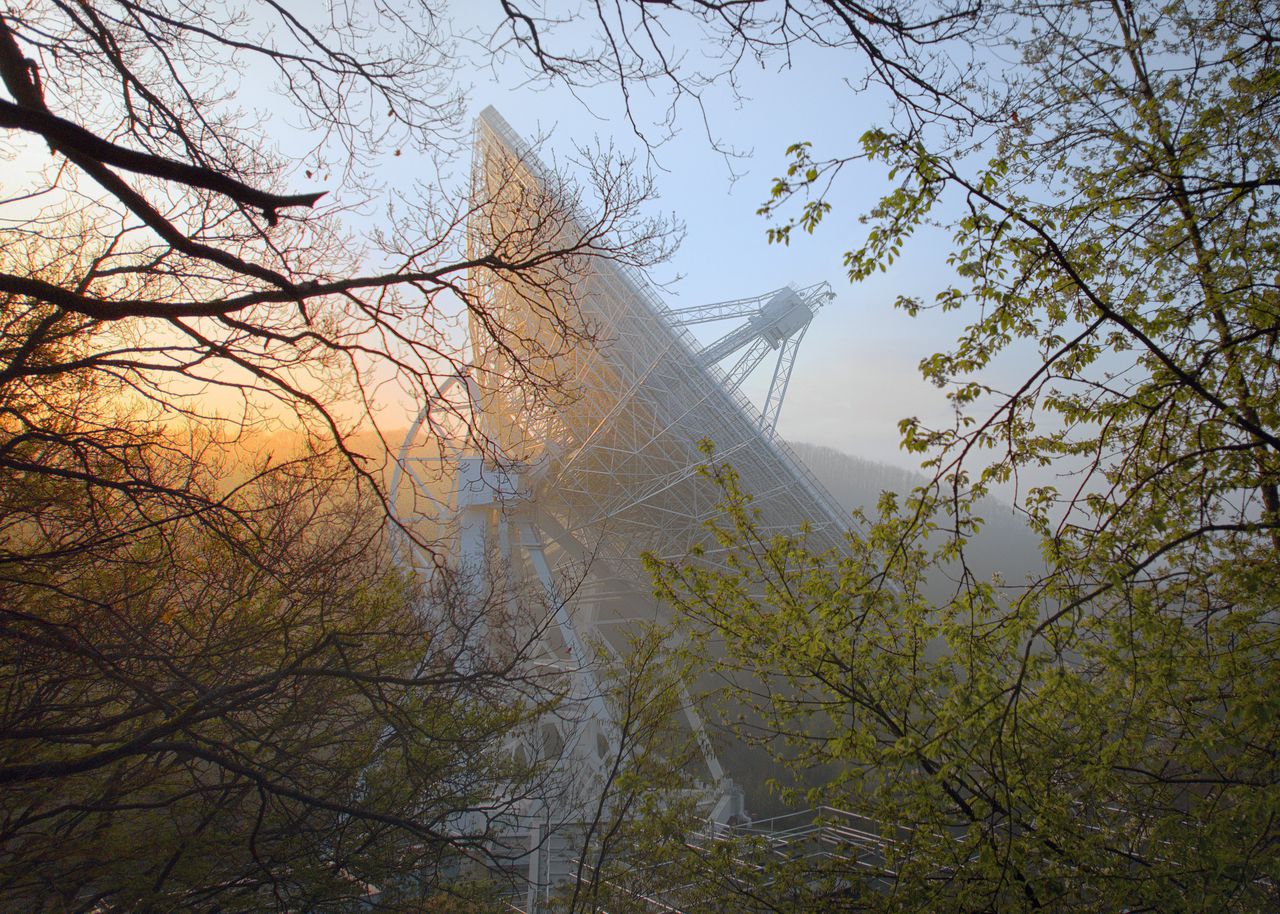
597	470
614	462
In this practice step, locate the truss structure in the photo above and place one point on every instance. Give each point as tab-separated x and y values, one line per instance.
776	320
615	459
595	474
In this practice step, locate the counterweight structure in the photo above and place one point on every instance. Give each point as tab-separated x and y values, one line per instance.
597	471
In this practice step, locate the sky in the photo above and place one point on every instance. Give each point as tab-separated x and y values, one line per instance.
856	373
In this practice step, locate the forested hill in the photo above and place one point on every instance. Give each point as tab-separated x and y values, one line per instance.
1004	546
855	481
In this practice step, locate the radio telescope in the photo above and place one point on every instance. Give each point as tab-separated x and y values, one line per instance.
595	475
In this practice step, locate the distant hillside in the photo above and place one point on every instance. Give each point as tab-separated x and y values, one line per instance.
854	481
1005	545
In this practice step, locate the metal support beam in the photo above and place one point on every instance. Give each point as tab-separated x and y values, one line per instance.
776	320
586	688
728	344
719	311
745	365
781	380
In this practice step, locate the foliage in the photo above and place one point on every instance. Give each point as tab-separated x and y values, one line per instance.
1119	758
223	696
219	694
250	717
1103	737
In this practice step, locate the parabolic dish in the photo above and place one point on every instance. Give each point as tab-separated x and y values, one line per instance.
613	461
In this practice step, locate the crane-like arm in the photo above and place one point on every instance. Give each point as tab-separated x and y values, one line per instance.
745	365
719	311
781	378
775	320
